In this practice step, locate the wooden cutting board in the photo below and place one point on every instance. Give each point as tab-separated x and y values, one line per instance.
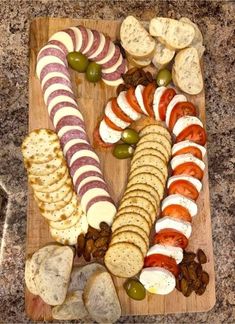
91	99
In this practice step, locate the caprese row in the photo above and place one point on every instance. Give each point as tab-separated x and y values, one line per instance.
174	228
160	103
52	71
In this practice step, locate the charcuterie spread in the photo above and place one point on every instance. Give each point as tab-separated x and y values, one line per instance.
144	237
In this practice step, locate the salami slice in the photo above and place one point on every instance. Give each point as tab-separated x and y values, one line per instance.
48	50
72	134
53	67
104	51
65	38
84	32
86	175
71	33
55	80
75	148
96	42
53	75
59	44
91	185
81	162
69	121
59	106
113	59
117	74
60	92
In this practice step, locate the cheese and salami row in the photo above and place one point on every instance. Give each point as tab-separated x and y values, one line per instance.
52	71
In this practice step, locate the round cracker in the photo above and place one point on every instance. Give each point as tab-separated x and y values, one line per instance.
49	179
68	222
135	229
145	187
131	218
55	205
157	129
55	186
130	237
157	138
148	151
149	169
153	145
55	196
41	169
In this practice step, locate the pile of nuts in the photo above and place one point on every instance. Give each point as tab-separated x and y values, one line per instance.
134	77
94	243
192	277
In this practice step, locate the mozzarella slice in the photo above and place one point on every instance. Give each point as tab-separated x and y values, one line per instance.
65	129
184	122
183	158
156	100
55	87
171	251
109	55
114	83
66	111
71	143
83	169
48	59
176	99
100	47
178	146
64	38
139	97
82	153
90	41
157	280
59	99
107	134
50	75
111	115
126	107
179	225
182	201
197	183
114	67
90	194
78	36
104	211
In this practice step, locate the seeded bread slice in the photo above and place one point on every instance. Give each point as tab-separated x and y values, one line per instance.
172	33
101	299
187	71
135	39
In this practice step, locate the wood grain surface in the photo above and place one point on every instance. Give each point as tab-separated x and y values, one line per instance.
91	99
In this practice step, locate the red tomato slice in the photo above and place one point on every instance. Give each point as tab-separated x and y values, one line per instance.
171	237
131	98
189	168
178	212
148	94
119	113
191	150
181	109
111	124
194	133
163	261
184	188
97	141
166	97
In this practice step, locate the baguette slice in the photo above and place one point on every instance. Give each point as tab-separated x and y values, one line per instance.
73	308
187	73
100	298
138	63
172	33
162	55
135	39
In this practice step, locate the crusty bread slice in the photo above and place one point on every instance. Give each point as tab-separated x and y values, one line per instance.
138	63
162	55
187	71
72	308
135	39
101	299
172	33
54	274
80	275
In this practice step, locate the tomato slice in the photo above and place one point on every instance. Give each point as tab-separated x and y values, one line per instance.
195	151
189	168
111	124
165	99
181	109
171	237
97	140
148	95
163	261
184	188
131	98
178	212
119	113
194	133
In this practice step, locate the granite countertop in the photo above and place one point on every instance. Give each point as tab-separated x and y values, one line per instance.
216	20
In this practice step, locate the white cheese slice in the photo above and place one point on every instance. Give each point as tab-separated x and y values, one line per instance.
177	199
65	129
126	107
114	67
71	143
64	38
157	280
139	97
50	75
178	146
83	169
156	100
90	41
195	182
66	111
171	251
109	55
43	61
111	115
55	87
183	158
90	194
89	179
78	37
176	224
114	83
100	47
83	153
176	99
101	211
184	122
59	99
107	134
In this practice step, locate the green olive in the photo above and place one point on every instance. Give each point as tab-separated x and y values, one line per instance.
135	289
163	78
123	151
93	72
77	61
130	136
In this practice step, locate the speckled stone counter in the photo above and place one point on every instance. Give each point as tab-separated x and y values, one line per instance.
216	20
